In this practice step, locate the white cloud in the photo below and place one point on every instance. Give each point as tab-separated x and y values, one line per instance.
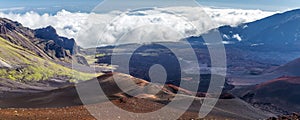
226	36
237	36
182	22
11	9
66	23
235	17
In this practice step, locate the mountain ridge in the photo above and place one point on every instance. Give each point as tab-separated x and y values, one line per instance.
279	32
52	47
278	96
27	61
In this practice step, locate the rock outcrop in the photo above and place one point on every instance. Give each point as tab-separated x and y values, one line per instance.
44	42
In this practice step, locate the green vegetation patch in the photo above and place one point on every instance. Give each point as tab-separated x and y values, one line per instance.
27	66
100	55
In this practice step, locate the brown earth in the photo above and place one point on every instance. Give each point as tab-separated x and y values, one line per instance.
134	105
279	96
64	103
294	116
80	112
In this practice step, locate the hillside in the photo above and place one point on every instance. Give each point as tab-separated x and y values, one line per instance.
279	96
278	32
147	97
290	69
45	42
25	58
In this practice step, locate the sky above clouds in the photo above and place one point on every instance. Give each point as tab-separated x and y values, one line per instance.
88	5
68	17
270	5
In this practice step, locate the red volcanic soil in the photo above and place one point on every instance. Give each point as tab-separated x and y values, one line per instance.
68	113
81	113
134	105
282	92
64	103
294	116
285	79
175	88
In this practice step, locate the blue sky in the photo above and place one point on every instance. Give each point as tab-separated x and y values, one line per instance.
270	5
48	6
52	6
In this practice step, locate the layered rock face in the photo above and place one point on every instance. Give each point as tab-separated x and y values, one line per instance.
45	42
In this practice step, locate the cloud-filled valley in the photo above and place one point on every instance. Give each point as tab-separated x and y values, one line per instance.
100	29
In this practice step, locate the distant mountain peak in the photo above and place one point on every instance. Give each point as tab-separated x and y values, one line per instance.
50	29
279	32
49	33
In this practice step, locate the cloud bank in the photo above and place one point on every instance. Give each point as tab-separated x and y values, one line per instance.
148	25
